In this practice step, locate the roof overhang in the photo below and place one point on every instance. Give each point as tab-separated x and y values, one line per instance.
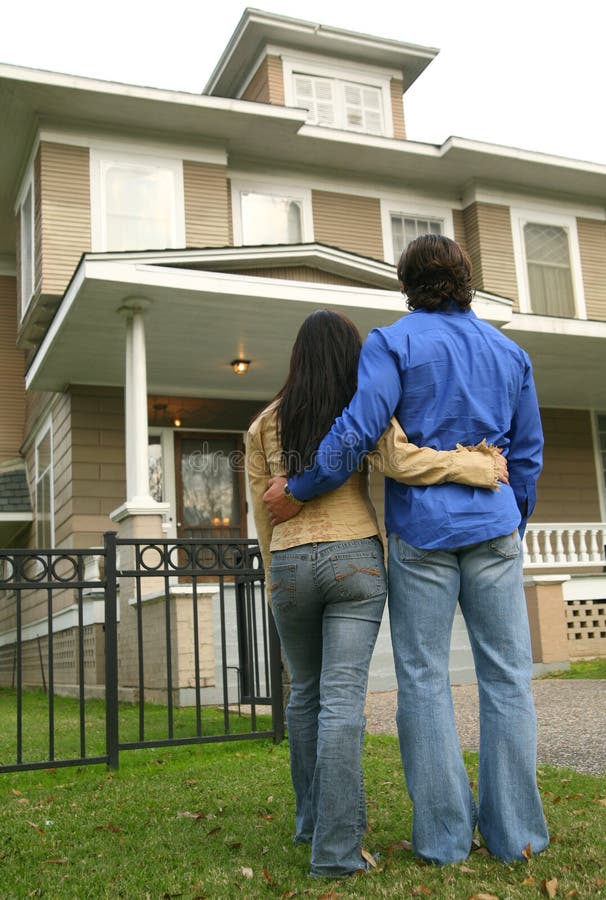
256	29
277	136
196	322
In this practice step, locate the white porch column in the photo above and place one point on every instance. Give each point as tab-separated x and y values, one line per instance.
138	499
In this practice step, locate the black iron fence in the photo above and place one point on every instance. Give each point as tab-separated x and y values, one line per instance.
136	644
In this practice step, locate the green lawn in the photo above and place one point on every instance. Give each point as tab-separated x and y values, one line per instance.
587	668
195	822
215	821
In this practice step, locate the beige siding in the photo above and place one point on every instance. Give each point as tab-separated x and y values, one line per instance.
267	84
568	488
12	371
207	213
94	455
592	245
65	212
397	108
349	222
490	246
460	235
302	273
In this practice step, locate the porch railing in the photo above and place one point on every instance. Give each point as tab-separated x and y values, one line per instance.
565	545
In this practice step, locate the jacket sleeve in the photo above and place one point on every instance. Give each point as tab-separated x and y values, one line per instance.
258	472
525	454
396	458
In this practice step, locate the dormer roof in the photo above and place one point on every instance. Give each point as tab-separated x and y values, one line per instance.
257	29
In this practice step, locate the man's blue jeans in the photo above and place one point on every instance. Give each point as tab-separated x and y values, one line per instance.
424	587
327	602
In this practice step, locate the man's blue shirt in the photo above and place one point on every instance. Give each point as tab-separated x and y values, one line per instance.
449	378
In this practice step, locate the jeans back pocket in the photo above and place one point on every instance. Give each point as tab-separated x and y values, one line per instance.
282	584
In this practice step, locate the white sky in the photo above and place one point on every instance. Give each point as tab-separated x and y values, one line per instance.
522	73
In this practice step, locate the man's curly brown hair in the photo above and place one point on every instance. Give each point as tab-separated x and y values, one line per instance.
435	272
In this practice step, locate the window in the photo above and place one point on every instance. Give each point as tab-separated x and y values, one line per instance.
405	229
341	104
269	214
156	468
26	246
601	428
137	202
44	489
548	262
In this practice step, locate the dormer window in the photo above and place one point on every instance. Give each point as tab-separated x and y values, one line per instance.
339	95
340	104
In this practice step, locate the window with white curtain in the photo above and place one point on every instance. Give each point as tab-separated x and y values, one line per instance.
549	272
271	218
137	202
26	246
340	104
405	229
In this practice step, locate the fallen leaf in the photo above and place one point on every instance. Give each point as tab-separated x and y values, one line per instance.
329	896
599	882
369	858
248	873
190	815
270	799
267	876
572	893
527	851
602	801
267	816
233	845
399	845
213	831
288	894
59	861
530	880
16	792
550	887
482	851
421	890
466	870
483	897
108	827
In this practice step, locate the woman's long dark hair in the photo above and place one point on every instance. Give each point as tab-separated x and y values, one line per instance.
322	380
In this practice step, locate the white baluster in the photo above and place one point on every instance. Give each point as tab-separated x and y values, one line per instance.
571	550
594	555
535	550
560	556
548	556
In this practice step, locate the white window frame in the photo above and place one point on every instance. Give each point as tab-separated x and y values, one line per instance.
308	64
101	160
600	473
412	208
27	228
524	216
285	190
47	429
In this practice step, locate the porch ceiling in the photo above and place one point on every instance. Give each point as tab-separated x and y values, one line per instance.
197	321
195	324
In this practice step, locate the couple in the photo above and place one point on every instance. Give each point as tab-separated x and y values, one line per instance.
448	378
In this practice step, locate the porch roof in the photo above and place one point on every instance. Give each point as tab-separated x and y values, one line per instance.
197	321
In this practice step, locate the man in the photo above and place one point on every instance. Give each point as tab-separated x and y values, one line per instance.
449	377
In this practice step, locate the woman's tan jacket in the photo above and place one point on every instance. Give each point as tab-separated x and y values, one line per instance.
347	513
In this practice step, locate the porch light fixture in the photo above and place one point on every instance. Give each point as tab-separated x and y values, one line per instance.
240	366
177	422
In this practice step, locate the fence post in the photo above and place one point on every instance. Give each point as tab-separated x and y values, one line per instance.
275	674
111	651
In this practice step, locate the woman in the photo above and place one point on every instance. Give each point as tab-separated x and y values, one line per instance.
326	578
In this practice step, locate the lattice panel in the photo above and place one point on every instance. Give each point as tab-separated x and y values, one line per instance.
586	626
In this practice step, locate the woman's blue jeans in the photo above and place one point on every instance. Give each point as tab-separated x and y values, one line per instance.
327	602
424	588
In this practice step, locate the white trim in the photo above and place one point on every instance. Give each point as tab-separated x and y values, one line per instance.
101	160
334	67
540	204
27	187
46	428
109	144
93	613
278	187
598	450
520	216
16	517
415	208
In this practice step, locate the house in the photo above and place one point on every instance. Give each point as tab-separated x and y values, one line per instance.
158	251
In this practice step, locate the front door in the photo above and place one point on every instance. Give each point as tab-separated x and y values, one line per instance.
210	486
